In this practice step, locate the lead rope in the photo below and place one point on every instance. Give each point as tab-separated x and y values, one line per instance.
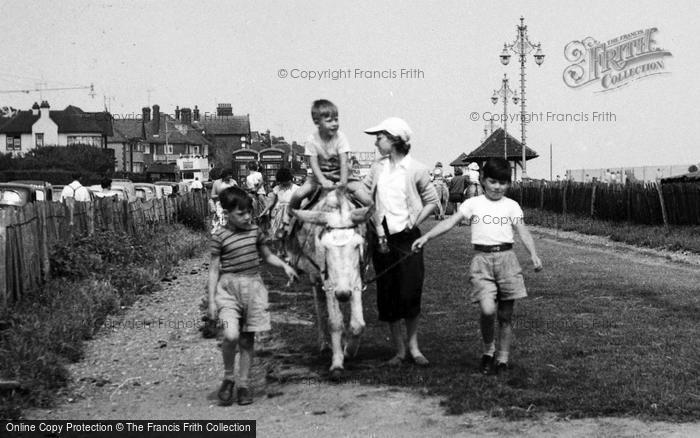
391	266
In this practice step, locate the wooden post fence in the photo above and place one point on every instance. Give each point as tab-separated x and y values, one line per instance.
28	233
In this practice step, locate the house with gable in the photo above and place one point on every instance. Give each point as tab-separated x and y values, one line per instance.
157	138
128	145
224	129
26	130
168	138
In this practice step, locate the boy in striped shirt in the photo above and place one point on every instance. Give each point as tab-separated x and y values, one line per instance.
236	291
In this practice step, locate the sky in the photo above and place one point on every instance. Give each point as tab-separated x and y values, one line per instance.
259	55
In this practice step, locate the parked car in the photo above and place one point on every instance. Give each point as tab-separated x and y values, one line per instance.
148	191
127	184
16	194
168	187
45	191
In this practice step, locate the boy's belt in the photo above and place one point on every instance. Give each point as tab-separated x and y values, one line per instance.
494	248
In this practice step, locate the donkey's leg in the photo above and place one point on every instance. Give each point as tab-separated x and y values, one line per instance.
335	318
357	324
321	315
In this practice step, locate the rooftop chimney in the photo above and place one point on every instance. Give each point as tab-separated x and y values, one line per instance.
44	109
195	115
146	114
156	119
224	110
177	112
35	109
186	114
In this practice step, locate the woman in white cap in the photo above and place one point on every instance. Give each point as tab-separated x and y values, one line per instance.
404	197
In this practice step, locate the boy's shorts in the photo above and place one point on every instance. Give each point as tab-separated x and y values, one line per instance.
497	275
242	300
331	175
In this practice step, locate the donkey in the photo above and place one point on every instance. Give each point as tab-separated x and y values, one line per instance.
331	247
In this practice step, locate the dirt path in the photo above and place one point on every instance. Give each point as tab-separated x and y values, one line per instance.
152	363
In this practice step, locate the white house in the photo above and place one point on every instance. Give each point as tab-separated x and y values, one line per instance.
26	130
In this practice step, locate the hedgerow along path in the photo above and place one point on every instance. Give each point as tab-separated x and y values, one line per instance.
602	334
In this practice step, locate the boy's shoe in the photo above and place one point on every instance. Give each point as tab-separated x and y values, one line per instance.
486	364
501	368
225	393
421	361
244	396
383	245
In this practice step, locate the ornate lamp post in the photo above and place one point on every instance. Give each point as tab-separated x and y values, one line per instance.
504	92
522	46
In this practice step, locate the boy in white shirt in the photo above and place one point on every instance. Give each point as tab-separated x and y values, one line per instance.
495	274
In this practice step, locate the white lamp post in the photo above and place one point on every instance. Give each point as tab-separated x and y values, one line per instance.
504	93
522	46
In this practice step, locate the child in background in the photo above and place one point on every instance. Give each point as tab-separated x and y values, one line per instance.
495	274
256	187
237	294
219	185
281	195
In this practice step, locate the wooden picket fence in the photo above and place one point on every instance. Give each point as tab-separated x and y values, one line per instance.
27	234
649	204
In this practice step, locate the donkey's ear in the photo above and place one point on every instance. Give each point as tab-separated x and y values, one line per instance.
359	215
312	217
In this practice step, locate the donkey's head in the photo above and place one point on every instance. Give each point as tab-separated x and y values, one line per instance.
340	242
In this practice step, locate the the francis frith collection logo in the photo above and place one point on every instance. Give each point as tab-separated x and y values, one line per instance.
616	62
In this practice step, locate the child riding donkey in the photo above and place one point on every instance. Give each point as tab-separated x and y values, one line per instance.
328	151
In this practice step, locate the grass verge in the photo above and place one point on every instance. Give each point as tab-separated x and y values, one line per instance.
599	335
676	238
91	278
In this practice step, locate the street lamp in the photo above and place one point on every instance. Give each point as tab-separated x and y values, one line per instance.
504	93
522	46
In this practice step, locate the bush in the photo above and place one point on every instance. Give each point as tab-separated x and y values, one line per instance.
189	217
92	277
75	157
86	255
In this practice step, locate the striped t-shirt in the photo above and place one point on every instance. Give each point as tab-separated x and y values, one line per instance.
238	250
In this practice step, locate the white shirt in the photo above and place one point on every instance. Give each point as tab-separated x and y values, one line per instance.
196	184
392	197
327	152
105	193
284	195
76	191
491	221
252	181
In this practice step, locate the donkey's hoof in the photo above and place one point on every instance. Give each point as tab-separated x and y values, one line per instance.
336	374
